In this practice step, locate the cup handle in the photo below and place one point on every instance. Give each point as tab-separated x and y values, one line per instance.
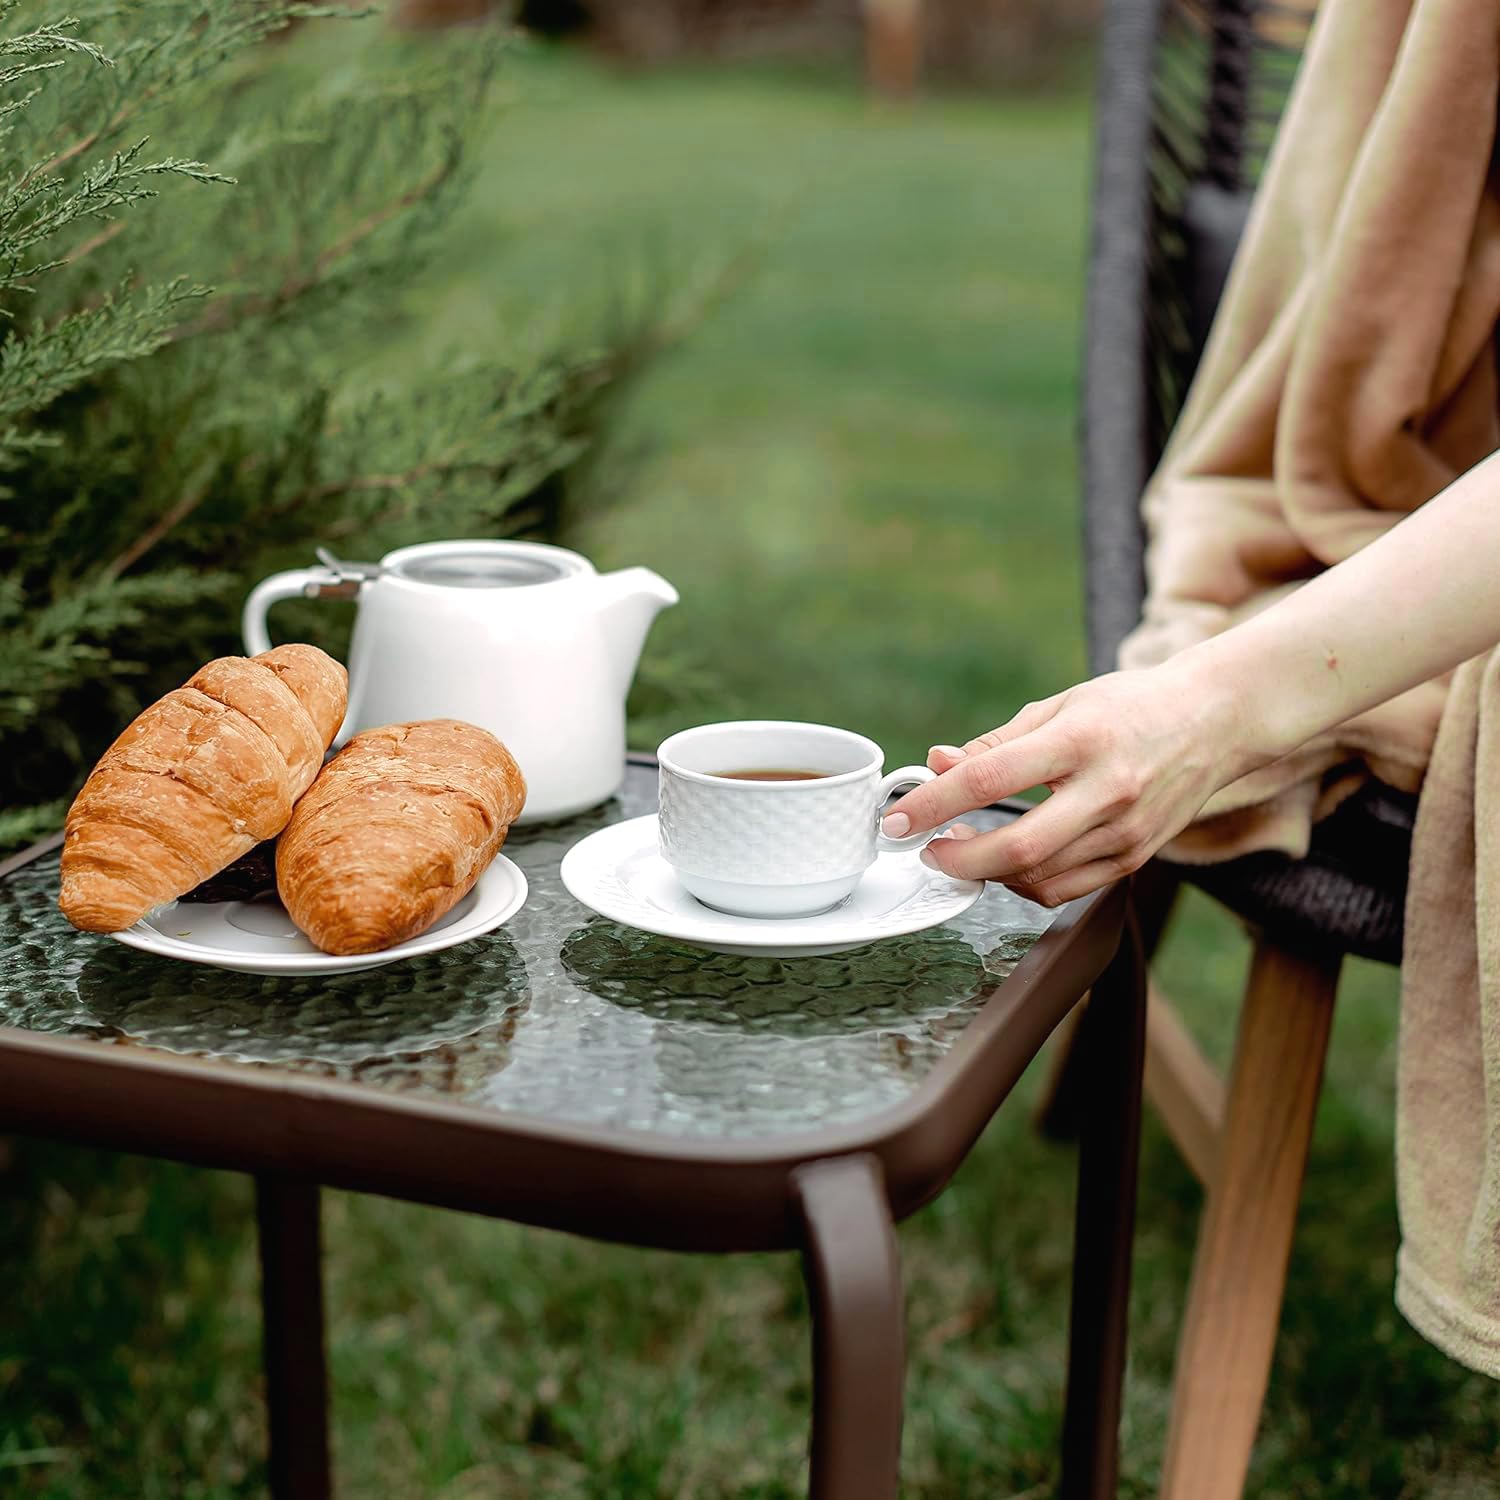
906	775
300	583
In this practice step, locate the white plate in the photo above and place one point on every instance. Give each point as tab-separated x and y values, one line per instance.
619	873
257	937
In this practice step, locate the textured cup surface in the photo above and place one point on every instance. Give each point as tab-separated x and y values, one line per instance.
764	838
769	848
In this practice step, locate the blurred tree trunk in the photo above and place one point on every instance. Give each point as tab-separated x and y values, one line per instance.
1011	41
893	46
903	41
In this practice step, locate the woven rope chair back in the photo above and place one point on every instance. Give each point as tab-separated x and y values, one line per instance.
1190	94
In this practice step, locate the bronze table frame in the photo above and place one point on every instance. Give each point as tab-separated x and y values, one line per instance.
833	1195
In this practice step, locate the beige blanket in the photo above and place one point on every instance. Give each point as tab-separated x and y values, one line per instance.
1349	377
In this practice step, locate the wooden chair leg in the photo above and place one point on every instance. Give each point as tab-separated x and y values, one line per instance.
1184	1087
1245	1241
1061	1108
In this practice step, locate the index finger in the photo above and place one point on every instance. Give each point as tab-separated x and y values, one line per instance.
976	781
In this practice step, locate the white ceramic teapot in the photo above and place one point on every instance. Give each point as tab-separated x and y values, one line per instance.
525	640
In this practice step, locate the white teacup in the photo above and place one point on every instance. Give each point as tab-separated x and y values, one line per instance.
759	848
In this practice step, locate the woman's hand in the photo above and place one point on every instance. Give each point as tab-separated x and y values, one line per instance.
1132	757
1129	759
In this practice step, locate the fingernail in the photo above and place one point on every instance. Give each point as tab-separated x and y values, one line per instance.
960	831
930	860
897	826
951	751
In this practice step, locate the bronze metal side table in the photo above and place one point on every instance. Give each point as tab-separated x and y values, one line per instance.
571	1073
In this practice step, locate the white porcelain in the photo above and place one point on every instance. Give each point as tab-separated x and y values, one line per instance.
779	848
258	937
525	640
619	873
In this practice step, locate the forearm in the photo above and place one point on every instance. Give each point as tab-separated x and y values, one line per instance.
1419	600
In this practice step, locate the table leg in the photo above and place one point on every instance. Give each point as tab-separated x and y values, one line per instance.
859	1361
1113	1043
291	1284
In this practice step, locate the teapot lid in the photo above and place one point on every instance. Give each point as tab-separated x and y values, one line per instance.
484	564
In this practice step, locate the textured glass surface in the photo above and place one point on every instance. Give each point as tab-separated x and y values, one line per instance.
559	1013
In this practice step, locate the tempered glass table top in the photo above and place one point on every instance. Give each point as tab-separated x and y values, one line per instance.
559	1014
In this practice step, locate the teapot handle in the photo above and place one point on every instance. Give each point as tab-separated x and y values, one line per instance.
298	583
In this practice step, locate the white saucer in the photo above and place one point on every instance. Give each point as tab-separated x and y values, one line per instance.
619	873
257	937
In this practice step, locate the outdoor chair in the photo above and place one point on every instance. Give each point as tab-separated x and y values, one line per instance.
1189	95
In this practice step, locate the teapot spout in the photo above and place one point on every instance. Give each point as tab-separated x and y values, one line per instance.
631	600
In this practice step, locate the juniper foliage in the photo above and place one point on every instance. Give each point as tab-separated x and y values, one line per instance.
181	409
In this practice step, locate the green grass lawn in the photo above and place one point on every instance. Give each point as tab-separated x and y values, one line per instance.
859	470
860	474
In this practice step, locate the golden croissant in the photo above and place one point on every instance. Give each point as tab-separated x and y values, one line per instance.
395	831
196	780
